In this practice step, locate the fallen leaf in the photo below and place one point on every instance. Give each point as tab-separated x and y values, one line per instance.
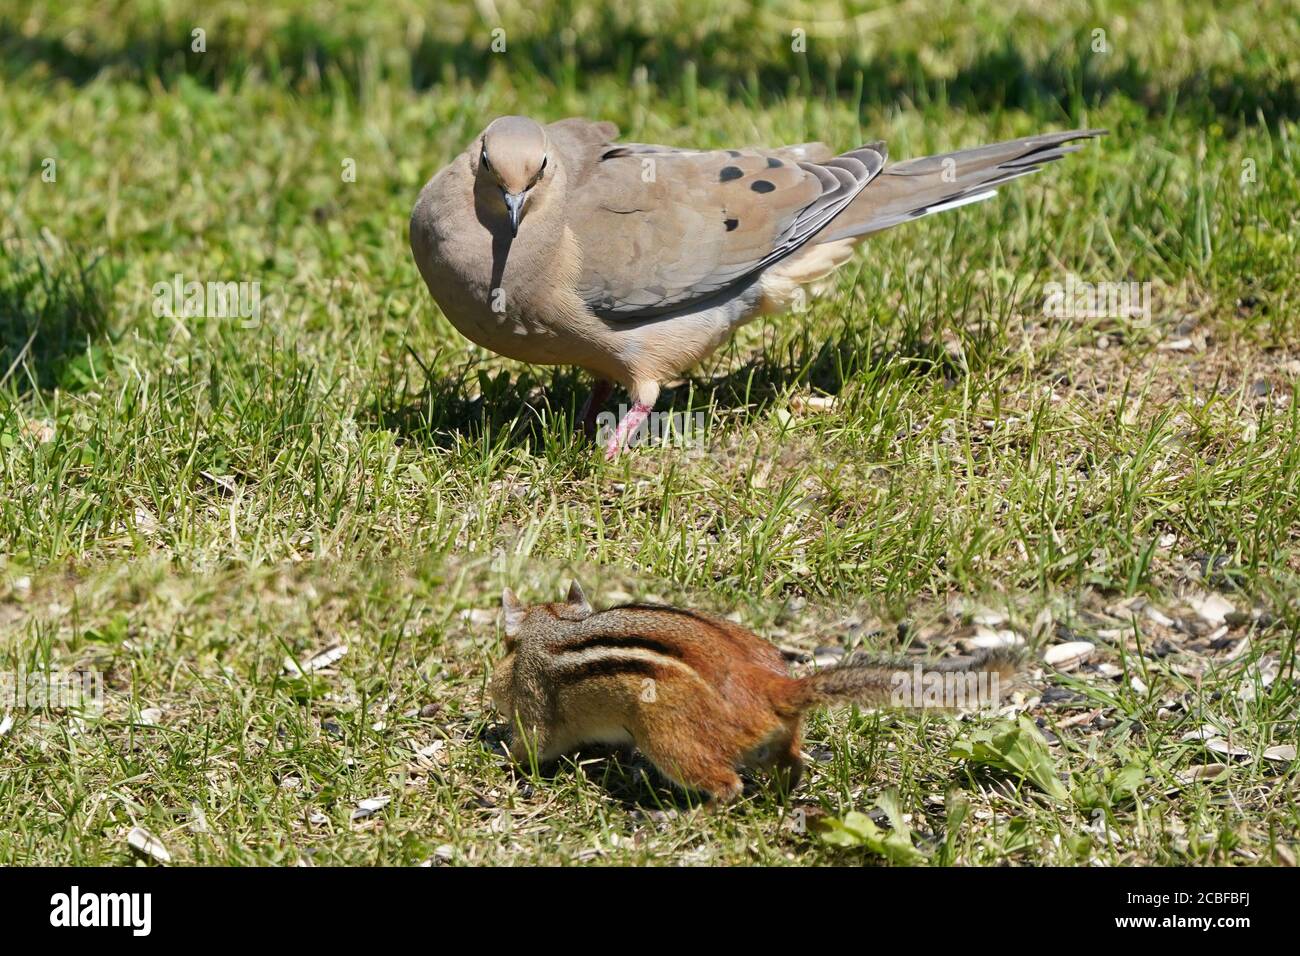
1077	719
1259	676
1222	747
1202	772
985	638
812	403
1281	753
1212	608
988	618
223	482
370	805
317	662
1069	655
1158	616
146	844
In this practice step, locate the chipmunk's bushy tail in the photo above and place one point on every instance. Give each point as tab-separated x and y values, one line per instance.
952	685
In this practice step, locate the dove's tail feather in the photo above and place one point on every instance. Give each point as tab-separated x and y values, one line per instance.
917	187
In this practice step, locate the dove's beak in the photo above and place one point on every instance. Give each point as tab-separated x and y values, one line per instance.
515	206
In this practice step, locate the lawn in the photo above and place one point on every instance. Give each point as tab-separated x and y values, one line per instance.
926	460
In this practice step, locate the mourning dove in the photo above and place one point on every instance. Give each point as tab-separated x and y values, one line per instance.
557	246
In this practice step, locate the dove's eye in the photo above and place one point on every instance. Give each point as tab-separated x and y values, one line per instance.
540	169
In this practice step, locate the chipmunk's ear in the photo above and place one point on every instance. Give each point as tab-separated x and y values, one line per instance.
577	600
513	612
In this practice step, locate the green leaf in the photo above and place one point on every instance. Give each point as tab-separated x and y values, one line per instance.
956	809
858	830
112	632
304	688
1077	845
1111	786
1019	835
1128	780
1017	748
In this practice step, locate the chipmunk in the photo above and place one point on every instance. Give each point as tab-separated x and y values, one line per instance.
700	696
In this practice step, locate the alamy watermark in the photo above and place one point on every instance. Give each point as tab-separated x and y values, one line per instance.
958	690
51	690
76	908
674	429
216	300
1077	299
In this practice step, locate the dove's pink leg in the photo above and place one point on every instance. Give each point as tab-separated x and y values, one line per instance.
628	426
591	408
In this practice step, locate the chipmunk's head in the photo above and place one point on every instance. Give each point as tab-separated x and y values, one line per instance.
522	624
522	621
514	157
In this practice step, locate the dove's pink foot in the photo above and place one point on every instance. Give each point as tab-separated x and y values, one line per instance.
638	413
595	401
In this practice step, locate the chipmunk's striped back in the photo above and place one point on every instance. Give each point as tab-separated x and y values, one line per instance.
608	655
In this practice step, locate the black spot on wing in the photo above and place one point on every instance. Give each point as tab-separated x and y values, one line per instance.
839	181
774	163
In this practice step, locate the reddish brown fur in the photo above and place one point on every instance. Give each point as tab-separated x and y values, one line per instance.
700	696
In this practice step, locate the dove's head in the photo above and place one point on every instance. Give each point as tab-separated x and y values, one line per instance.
514	158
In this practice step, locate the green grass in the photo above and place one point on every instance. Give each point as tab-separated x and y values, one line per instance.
184	503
